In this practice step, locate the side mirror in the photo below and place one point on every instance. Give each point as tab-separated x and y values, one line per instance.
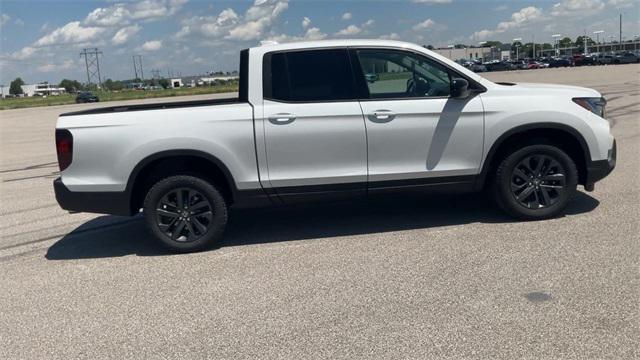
459	88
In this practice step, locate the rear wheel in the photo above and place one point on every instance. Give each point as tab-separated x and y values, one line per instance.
185	213
535	182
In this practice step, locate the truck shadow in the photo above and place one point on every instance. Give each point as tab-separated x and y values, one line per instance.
112	236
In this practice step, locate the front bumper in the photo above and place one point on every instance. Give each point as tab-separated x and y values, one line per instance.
112	202
598	170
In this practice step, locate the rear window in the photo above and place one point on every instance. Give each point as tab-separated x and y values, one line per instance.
310	75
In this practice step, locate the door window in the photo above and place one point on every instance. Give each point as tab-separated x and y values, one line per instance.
398	74
310	75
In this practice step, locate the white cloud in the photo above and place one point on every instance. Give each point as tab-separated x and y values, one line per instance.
255	24
4	19
123	35
518	19
500	8
620	3
392	36
306	22
424	25
576	7
122	13
355	29
314	34
18	22
71	33
152	45
350	30
24	53
65	65
346	16
258	19
432	1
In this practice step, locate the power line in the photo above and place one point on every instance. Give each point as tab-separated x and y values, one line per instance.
92	63
137	67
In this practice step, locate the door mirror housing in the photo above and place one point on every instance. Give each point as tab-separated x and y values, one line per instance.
459	88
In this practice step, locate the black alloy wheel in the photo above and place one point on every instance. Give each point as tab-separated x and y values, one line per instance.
535	182
184	214
538	181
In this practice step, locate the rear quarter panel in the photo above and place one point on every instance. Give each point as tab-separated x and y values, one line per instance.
107	147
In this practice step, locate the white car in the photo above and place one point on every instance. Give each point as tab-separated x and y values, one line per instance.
312	122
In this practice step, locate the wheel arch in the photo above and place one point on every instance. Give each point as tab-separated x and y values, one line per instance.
566	137
183	161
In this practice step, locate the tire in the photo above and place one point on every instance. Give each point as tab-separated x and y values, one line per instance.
198	226
543	196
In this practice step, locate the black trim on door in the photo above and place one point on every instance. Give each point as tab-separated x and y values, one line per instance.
333	192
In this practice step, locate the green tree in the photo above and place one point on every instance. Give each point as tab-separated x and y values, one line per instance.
580	41
164	83
70	86
15	88
492	44
566	42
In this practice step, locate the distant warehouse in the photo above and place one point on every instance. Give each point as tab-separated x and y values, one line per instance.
40	89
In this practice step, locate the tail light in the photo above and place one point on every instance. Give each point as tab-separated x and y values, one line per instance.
64	148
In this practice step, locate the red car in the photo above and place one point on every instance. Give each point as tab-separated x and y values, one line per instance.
533	65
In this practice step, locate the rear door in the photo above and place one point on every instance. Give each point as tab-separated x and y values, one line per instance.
314	130
417	134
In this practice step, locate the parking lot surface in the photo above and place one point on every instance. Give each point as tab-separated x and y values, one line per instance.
425	277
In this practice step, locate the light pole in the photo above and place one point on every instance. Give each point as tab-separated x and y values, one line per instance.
597	34
450	47
556	43
517	46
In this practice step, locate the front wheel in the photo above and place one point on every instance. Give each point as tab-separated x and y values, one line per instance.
535	182
185	213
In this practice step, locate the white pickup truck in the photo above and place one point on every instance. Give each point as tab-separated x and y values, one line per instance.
333	119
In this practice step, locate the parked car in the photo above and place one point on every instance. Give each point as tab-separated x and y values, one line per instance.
604	59
474	66
86	97
534	65
625	58
519	64
562	62
497	66
296	132
583	60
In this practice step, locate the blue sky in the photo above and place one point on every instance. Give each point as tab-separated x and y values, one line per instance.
41	40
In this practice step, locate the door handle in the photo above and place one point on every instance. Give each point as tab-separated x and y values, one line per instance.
282	118
382	116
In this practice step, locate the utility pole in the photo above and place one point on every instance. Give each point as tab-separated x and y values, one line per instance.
533	43
620	32
92	64
137	67
155	73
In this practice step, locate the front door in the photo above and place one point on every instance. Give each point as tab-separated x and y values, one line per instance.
314	130
415	130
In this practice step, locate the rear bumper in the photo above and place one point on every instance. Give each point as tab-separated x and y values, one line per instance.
598	170
112	202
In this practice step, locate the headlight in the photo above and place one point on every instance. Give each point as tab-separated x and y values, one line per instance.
595	105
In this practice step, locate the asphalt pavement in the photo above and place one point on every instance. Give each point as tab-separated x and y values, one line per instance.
421	277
